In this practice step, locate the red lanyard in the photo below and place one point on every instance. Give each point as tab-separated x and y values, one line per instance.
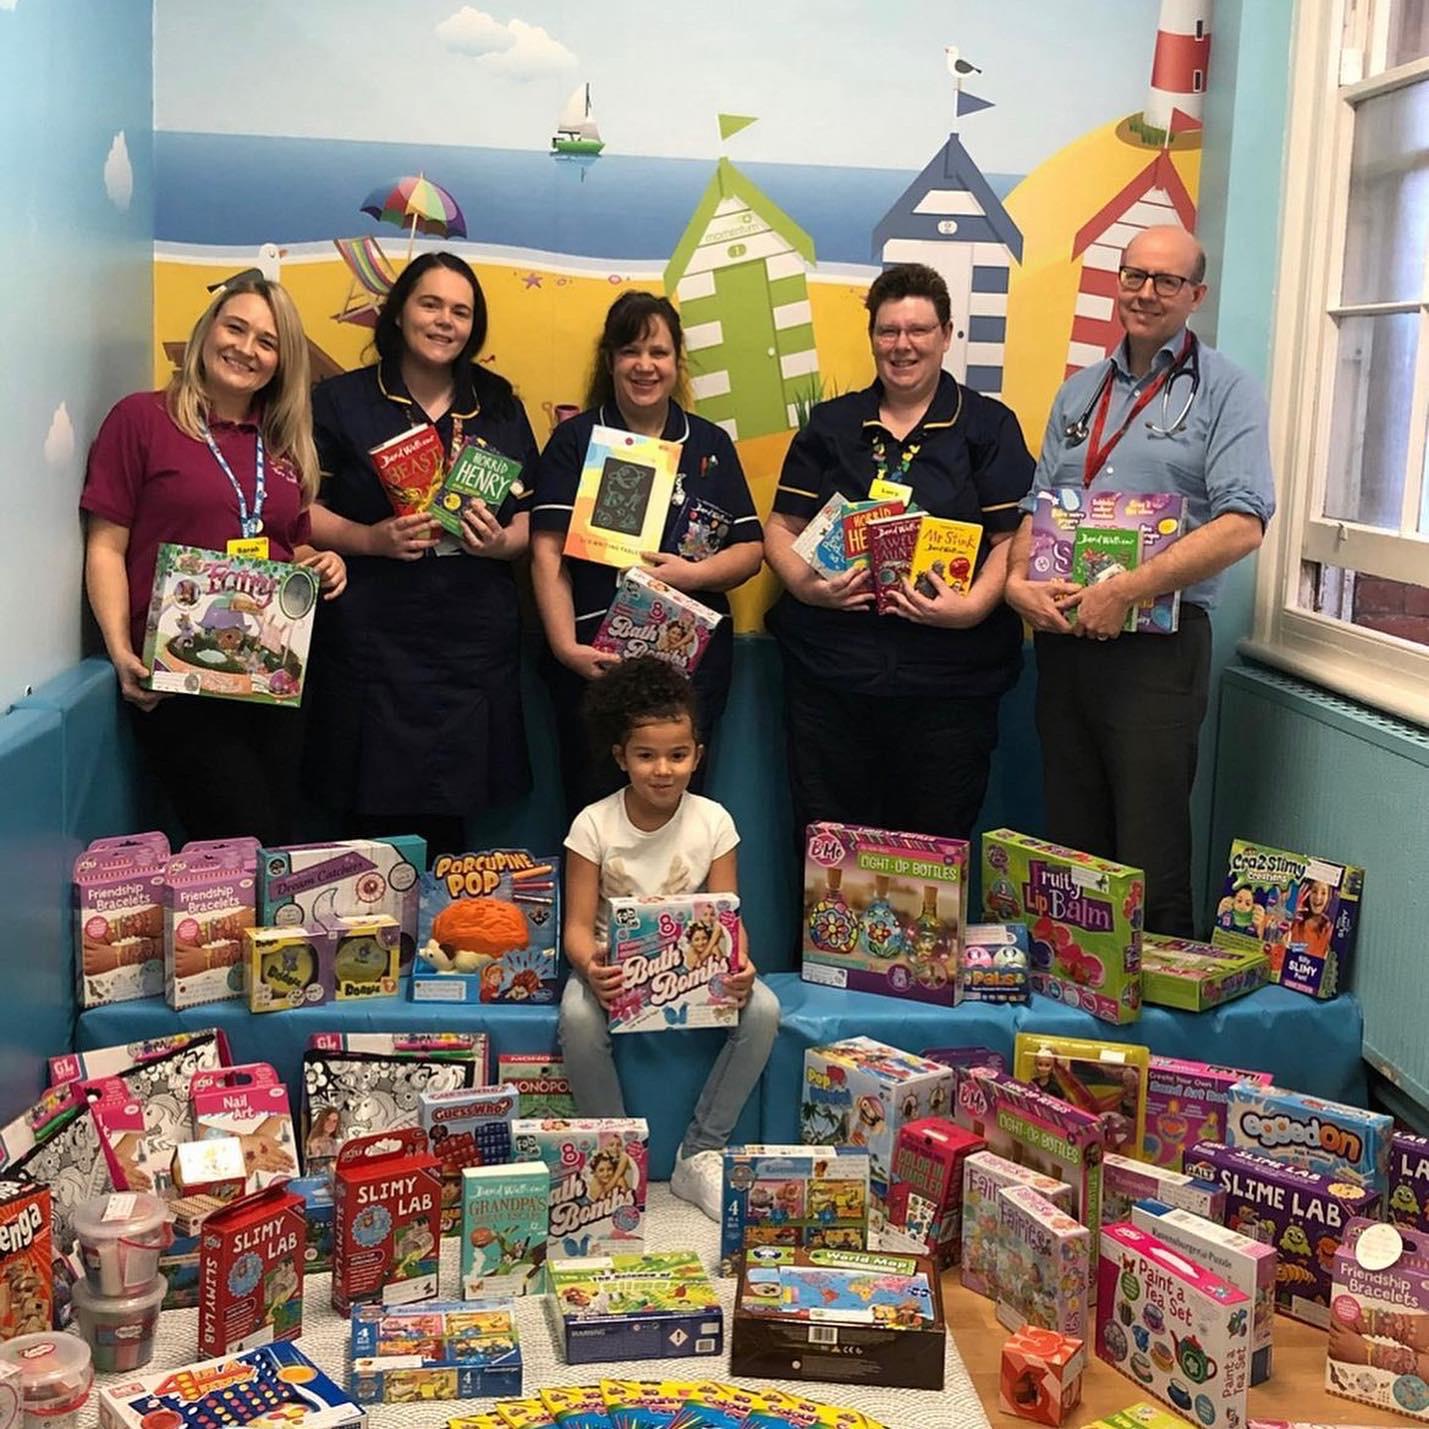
1096	453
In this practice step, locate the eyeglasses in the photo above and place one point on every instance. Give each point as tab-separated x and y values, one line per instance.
921	333
1167	285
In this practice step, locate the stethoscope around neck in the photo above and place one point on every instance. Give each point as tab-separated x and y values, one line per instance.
1187	364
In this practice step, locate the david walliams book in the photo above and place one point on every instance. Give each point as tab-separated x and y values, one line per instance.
410	468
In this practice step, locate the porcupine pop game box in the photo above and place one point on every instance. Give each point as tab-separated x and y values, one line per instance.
250	1278
884	912
1083	916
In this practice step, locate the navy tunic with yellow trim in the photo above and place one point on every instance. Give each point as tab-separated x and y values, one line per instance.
415	686
966	461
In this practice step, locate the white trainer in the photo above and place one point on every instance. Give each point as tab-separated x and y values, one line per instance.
699	1179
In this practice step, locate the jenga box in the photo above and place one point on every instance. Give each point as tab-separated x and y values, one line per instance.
26	1268
251	1257
925	1197
1041	1375
387	1220
118	898
209	899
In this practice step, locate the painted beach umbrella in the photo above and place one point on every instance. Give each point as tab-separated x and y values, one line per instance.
414	203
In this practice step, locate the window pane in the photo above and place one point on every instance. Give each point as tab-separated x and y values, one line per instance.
1369	429
1369	602
1387	231
1408	32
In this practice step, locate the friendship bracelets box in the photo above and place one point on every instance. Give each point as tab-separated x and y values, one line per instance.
118	901
209	900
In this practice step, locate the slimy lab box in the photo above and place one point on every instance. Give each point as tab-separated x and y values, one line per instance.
984	1175
350	959
466	1349
1343	1142
1186	1103
250	1272
885	912
1125	1182
1083	915
674	956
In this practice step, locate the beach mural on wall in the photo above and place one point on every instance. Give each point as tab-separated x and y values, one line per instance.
569	157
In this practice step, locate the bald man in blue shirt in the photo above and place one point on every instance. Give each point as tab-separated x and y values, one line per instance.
1120	714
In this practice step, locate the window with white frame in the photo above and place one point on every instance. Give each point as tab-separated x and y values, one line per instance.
1343	594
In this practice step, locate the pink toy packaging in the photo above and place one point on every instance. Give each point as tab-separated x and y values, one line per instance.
1083	916
138	1143
1186	1103
1125	1182
209	900
984	1174
1409	1181
118	898
925	1197
648	617
109	1061
1177	1330
1043	1264
1345	1143
250	1103
885	912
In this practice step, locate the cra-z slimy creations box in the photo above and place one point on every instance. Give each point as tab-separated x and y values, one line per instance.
1343	1142
1084	918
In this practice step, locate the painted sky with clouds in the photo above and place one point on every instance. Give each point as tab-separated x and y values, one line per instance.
834	82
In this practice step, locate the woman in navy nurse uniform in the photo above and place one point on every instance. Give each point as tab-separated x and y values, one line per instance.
416	717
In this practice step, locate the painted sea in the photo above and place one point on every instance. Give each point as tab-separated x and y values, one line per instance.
236	190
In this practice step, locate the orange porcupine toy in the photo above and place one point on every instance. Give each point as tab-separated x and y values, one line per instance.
491	927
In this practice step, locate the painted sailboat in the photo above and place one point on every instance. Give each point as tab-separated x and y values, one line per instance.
576	129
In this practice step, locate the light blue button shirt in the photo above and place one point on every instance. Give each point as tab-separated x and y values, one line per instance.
1219	461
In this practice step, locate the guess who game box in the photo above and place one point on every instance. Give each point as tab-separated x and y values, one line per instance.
1194	1325
860	1093
674	956
599	1169
885	912
1084	917
811	1196
251	1258
925	1197
1186	1103
387	1223
504	1214
467	1126
26	1268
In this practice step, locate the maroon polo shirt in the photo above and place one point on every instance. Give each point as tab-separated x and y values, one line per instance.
146	475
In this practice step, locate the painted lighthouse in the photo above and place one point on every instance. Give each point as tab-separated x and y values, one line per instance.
1175	100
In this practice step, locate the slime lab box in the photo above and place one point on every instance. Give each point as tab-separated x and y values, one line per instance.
1186	1103
446	1349
250	1272
1408	1203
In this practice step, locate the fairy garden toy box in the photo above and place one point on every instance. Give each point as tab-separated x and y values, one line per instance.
233	627
885	912
488	928
1084	917
675	954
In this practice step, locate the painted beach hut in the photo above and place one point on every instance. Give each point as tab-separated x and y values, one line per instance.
738	274
950	219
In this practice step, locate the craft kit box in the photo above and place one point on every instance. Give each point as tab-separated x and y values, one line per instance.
984	1175
809	1196
995	963
231	627
138	1148
1125	1182
675	955
1302	1214
505	1211
1084	917
213	1167
1192	976
648	617
387	1220
272	1384
468	1126
109	1061
1173	1327
118	900
313	885
251	1273
488	928
1106	1079
249	1102
349	959
885	912
925	1195
1377	1343
1408	1203
446	1349
599	1169
541	1080
1186	1103
26	1264
1247	1264
843	1316
1041	1376
1302	912
1043	1264
634	1307
209	900
318	1211
1343	1142
859	1092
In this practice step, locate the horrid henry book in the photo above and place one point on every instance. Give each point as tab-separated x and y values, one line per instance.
479	472
410	468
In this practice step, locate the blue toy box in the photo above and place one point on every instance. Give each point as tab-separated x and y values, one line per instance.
444	1349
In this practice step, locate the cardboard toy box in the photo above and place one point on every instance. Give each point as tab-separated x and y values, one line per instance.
467	1126
26	1264
387	1220
540	1079
445	1349
634	1307
110	1061
274	1383
884	912
1186	1103
249	1102
1408	1203
489	928
118	901
1302	912
648	617
859	1092
1125	1182
925	1195
209	899
1247	1264
505	1211
599	1169
848	1317
1043	1264
1194	977
1107	1079
1041	1377
810	1196
995	963
351	959
1084	918
318	1211
674	956
1194	1326
251	1273
1303	1215
984	1174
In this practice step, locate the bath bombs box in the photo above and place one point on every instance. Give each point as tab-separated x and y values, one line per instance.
251	1260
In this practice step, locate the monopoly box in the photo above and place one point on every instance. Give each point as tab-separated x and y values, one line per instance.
850	1317
1302	912
885	912
995	963
209	899
348	959
445	1349
674	954
1186	1103
1408	1203
1303	1215
859	1093
984	1175
541	1081
634	1307
810	1196
1343	1142
1192	976
1125	1182
1043	1264
118	901
504	1214
1084	917
488	928
251	1273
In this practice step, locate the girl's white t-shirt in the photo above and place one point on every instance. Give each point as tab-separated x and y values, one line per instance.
636	863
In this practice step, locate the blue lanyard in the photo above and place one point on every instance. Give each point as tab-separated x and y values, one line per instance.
248	525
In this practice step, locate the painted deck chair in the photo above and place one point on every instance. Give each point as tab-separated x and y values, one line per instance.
371	280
